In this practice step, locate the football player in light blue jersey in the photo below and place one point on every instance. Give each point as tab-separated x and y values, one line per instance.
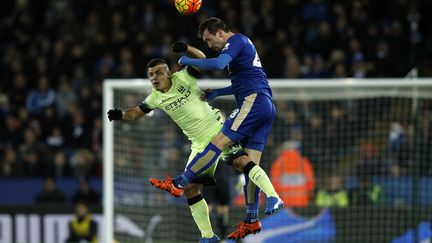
249	124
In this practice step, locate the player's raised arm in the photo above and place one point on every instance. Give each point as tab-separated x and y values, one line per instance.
190	50
217	63
132	114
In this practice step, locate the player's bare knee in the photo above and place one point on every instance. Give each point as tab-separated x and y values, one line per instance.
240	162
192	190
221	141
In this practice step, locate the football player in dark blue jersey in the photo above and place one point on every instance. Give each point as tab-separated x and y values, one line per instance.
249	124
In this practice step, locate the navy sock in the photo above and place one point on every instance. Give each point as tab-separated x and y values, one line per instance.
252	203
251	216
180	182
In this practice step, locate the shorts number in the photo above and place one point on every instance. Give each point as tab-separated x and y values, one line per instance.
234	113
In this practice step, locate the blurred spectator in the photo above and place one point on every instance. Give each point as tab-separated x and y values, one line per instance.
43	96
359	66
55	139
60	167
292	68
292	176
9	164
366	193
314	141
79	131
290	125
50	193
33	154
86	193
338	132
398	144
11	131
82	228
82	162
315	10
332	193
4	105
369	164
18	90
65	96
317	68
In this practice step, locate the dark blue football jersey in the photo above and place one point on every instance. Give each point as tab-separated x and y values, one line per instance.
246	72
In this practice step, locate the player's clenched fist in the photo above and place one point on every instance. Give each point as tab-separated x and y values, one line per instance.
115	114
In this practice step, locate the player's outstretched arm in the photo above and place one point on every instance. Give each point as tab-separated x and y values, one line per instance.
126	115
217	63
190	50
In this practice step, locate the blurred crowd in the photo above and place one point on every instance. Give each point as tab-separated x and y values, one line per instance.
55	54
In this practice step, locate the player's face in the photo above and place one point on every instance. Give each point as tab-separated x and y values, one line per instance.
214	41
160	77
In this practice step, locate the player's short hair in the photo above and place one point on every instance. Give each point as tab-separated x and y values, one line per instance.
212	25
156	61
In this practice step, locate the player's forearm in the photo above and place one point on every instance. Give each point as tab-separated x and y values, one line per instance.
211	94
195	52
225	91
132	114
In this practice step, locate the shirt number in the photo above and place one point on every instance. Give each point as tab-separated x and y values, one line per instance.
256	61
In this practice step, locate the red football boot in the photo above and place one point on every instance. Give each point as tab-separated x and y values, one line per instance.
245	229
167	185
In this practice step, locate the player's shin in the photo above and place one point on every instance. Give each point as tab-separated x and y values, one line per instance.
201	162
200	214
258	176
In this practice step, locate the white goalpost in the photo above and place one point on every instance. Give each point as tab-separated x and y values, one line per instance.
353	114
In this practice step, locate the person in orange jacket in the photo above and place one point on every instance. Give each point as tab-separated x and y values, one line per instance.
292	176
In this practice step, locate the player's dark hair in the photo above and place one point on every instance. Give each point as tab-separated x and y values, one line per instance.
156	61
212	25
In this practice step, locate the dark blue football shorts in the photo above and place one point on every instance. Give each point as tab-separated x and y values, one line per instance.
250	124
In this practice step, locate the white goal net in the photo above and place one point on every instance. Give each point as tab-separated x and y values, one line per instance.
368	141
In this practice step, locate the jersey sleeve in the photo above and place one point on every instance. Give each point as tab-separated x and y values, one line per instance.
233	46
149	103
145	108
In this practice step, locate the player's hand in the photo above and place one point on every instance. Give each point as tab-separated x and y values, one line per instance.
179	47
115	114
209	94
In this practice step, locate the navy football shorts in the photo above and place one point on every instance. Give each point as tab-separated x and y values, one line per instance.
250	124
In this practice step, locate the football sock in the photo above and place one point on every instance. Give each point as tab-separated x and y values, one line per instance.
258	176
199	163
200	214
251	193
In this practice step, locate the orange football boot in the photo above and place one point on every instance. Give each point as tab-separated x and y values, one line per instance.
167	185
245	229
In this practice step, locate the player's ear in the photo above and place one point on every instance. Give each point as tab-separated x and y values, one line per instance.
220	34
